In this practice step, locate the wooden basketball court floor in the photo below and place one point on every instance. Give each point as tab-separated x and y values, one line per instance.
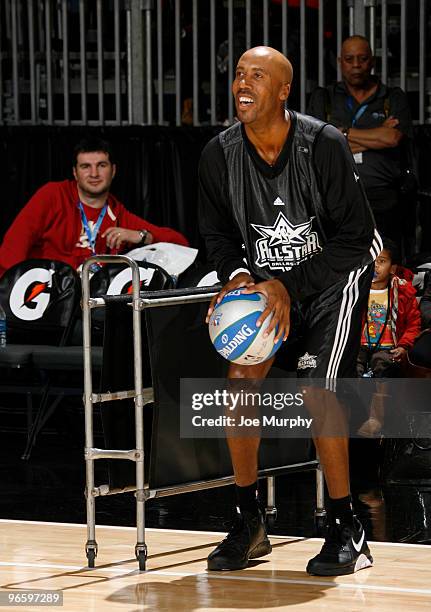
37	556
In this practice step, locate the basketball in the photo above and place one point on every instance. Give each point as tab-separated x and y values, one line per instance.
233	330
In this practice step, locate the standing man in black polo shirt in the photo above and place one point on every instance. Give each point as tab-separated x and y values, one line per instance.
374	119
283	213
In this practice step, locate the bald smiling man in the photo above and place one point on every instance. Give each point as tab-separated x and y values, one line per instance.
282	213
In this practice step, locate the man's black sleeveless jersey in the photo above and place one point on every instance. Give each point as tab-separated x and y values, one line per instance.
304	220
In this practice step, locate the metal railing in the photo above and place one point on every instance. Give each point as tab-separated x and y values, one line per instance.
116	62
143	492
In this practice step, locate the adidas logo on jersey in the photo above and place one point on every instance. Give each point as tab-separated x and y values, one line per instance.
278	202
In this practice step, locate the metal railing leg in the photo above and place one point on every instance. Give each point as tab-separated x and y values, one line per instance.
270	510
91	545
141	547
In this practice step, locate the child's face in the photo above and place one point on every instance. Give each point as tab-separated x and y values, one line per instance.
383	267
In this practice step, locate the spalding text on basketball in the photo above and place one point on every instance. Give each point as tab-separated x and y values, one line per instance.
237	340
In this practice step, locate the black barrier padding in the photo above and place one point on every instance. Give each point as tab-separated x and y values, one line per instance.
63	291
195	274
179	347
118	417
117	372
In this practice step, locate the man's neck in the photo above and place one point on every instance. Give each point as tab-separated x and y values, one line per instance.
91	200
363	91
268	140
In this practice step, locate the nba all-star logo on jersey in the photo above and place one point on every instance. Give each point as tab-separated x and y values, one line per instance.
307	361
284	245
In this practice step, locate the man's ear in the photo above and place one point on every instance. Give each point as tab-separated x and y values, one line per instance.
284	91
114	170
74	173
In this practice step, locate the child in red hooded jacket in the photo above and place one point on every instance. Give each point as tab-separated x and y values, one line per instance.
391	324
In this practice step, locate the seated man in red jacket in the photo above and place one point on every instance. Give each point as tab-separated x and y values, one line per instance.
391	324
74	219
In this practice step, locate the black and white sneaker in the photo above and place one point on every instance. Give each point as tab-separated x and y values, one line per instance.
345	551
246	540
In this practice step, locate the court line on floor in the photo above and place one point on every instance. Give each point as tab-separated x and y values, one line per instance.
210	533
150	529
118	527
244	578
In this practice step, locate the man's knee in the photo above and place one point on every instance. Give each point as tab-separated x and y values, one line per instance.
254	374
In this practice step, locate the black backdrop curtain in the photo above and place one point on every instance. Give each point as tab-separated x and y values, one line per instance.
156	174
157	170
423	149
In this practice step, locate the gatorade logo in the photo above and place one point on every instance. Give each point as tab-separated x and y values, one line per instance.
31	294
122	282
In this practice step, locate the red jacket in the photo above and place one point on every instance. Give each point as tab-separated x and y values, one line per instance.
50	227
405	317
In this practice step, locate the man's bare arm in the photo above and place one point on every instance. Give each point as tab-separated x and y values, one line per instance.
356	148
375	138
385	136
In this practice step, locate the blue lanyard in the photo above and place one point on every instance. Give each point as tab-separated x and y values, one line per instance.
92	235
361	110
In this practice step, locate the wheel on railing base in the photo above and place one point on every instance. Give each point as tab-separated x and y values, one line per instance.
320	525
91	552
141	554
270	518
142	560
91	556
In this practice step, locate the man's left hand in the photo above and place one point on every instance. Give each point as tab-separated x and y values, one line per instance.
399	354
116	237
278	305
